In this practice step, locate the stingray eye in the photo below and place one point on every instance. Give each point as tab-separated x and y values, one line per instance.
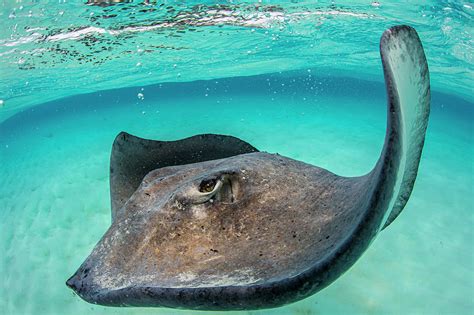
221	188
207	190
208	185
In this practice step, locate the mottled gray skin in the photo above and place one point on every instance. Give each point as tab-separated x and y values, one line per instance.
209	222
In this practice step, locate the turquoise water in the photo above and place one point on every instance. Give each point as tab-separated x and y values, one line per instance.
52	49
326	107
55	202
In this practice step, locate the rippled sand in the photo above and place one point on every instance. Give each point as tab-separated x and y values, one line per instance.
54	194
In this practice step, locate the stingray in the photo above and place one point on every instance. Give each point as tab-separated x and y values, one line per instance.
211	223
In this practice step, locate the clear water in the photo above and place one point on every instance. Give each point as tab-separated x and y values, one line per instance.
325	107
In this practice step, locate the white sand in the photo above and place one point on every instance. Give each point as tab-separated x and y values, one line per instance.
54	195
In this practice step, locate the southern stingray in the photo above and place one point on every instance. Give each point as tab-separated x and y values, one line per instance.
209	222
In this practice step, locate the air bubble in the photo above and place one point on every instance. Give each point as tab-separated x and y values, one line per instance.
2	102
141	96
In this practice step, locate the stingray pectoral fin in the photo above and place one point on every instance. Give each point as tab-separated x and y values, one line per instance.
408	88
132	158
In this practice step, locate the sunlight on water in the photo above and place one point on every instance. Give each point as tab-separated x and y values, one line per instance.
53	49
302	79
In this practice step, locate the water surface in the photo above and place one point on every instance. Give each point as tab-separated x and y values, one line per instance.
303	80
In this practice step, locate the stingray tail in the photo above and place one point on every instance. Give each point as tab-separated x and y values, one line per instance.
408	88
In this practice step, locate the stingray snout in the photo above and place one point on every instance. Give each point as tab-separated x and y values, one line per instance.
80	282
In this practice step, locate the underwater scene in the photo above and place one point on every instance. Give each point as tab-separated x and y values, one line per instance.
301	79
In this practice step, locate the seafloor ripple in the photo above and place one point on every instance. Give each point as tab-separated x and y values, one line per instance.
54	189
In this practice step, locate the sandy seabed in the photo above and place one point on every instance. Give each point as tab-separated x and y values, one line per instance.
54	194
